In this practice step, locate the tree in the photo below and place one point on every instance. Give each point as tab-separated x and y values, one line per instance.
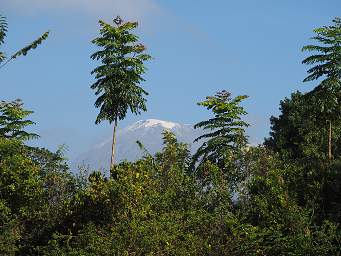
23	51
173	153
12	123
12	113
300	132
328	56
327	65
309	121
119	76
226	138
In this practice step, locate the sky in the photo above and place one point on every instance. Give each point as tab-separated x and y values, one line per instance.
198	47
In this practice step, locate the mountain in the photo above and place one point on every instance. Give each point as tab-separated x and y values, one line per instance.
148	132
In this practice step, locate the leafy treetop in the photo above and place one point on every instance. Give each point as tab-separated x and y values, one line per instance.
12	123
227	129
327	65
120	73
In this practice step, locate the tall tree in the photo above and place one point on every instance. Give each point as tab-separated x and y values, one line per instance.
309	121
119	76
226	137
23	51
327	65
12	123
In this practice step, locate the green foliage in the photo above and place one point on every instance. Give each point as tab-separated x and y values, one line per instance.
301	131
155	196
327	57
33	198
327	65
301	138
19	177
23	51
20	190
9	231
286	196
3	31
120	73
156	207
173	152
31	46
12	123
151	207
88	242
226	140
279	210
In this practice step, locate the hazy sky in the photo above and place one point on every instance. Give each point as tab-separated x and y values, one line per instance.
199	47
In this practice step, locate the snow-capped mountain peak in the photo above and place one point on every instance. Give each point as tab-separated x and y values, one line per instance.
152	123
148	132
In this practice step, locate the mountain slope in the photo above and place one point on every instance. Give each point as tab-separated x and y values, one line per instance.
148	132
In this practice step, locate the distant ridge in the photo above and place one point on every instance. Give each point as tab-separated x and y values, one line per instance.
148	132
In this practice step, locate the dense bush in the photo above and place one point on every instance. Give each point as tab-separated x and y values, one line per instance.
156	206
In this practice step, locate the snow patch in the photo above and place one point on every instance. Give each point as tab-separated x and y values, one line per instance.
153	122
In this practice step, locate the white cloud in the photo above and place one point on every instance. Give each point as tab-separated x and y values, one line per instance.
131	9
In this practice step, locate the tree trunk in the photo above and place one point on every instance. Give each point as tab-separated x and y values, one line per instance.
113	146
330	141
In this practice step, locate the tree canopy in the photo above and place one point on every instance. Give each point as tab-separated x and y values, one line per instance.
12	121
119	75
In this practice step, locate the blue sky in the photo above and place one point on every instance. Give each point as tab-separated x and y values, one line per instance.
199	47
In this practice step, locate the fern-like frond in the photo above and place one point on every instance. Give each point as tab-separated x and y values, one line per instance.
26	49
3	29
31	46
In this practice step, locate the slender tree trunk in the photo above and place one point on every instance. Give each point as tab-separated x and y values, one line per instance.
113	145
330	141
